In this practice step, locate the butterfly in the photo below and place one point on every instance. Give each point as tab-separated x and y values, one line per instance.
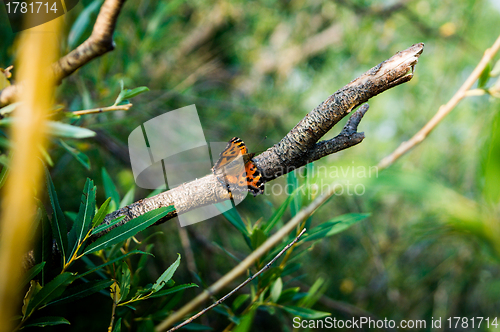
236	170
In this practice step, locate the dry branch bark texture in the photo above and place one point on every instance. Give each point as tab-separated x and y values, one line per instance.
299	147
99	43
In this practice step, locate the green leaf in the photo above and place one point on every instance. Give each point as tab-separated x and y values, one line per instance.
258	237
276	290
288	294
57	222
118	325
80	156
484	77
103	227
133	252
99	217
50	291
110	188
128	198
305	312
246	322
43	251
47	321
124	281
81	291
167	275
82	23
129	229
279	213
127	94
240	300
33	272
60	129
293	183
84	219
172	290
334	226
234	218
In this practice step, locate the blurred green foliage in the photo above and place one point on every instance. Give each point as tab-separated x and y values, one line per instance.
431	245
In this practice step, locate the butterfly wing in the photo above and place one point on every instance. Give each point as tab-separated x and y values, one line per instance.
234	149
236	170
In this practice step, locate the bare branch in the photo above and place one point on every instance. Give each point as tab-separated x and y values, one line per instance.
443	110
299	147
99	43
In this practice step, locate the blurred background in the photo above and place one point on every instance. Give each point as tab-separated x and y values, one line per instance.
431	246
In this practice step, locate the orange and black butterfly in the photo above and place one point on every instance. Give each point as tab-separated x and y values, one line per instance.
236	170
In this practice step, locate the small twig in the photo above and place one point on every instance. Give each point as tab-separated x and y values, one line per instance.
443	110
104	109
268	265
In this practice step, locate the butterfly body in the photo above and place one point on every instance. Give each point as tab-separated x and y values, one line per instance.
236	170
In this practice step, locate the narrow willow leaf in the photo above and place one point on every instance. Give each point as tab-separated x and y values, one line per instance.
167	275
103	227
43	251
84	219
306	312
110	188
46	321
79	156
293	183
334	226
127	94
133	252
99	216
129	229
276	290
60	129
81	291
81	23
172	290
240	300
128	198
50	291
58	223
32	273
124	281
246	321
279	213
118	325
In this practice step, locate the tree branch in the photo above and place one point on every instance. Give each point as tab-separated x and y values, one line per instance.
99	43
299	147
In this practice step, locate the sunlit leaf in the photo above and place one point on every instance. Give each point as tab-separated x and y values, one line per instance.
110	188
167	275
60	129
